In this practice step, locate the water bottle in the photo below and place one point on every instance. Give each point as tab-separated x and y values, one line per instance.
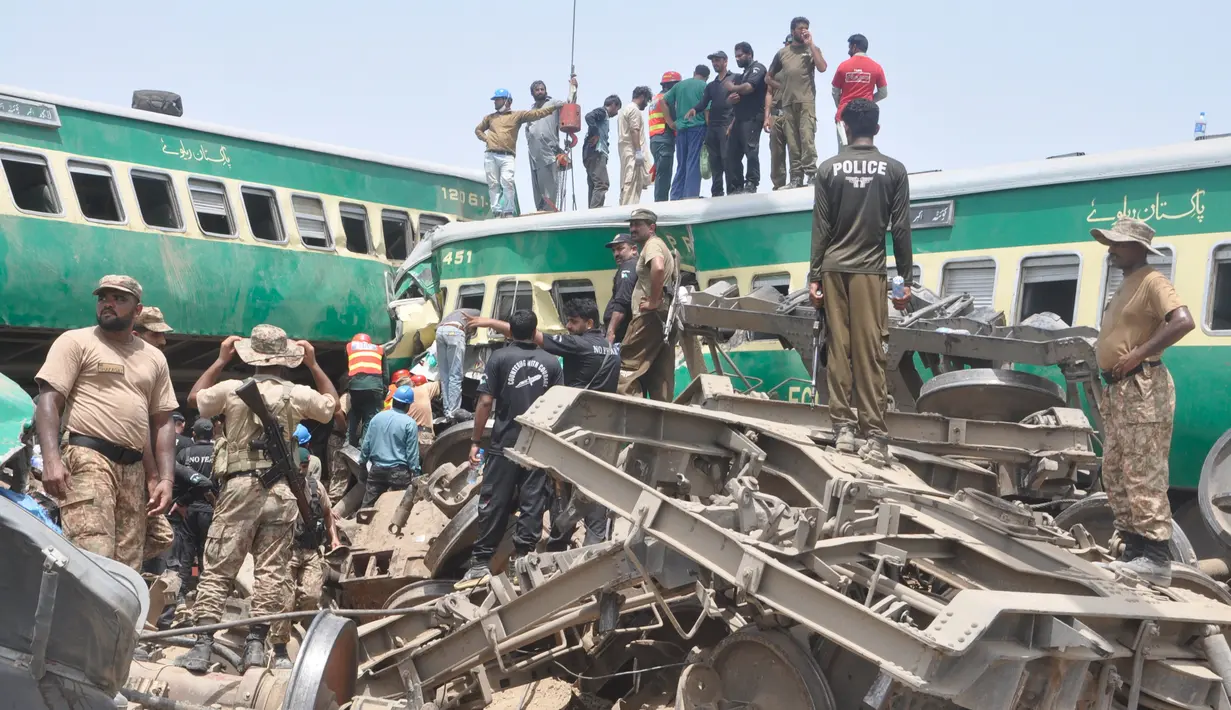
898	285
475	469
1199	129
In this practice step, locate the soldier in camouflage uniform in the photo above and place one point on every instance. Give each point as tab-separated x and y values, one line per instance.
1142	319
307	568
248	517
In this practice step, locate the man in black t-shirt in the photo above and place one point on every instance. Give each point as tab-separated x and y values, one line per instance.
620	308
193	510
589	363
748	98
515	377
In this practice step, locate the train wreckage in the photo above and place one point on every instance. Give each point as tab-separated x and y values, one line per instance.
751	565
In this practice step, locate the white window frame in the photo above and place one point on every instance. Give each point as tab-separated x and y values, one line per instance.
1018	284
367	226
226	203
573	285
419	232
175	199
24	156
1106	278
482	285
332	245
517	290
940	287
88	167
272	194
411	239
891	270
753	286
1207	317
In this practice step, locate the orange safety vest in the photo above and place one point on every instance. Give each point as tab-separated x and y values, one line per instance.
364	358
389	396
658	120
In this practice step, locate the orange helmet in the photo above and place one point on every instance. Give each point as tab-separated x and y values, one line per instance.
400	374
670	76
362	338
417	380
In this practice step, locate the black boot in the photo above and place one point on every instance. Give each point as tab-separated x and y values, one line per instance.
254	647
282	661
1154	564
199	658
1134	546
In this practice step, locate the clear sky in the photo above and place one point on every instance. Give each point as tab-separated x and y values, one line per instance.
971	83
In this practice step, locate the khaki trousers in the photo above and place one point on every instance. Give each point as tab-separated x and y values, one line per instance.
801	139
647	360
1138	417
857	330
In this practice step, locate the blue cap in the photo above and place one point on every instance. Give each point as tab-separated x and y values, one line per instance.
502	94
404	394
301	434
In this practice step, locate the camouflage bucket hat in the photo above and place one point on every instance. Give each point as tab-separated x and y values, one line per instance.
119	282
269	346
1126	230
151	319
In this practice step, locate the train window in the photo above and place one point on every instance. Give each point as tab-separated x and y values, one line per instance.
355	226
780	282
395	228
916	272
30	182
429	223
1113	277
96	193
570	290
976	277
310	221
209	201
471	296
263	215
1049	284
1219	304
512	296
156	200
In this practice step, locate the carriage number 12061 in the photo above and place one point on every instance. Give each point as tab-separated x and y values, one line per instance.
473	199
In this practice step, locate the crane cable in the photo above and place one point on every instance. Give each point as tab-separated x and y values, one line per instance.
572	71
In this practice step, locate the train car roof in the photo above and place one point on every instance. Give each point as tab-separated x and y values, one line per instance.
256	136
923	186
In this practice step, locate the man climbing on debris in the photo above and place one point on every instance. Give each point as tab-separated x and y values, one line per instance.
620	308
421	409
498	131
860	195
515	377
399	378
193	511
648	356
249	517
366	370
391	445
306	573
596	149
548	159
1143	318
117	391
451	338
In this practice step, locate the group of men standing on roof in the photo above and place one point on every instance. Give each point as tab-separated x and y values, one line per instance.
695	125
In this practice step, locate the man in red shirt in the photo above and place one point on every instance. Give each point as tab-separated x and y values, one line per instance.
859	77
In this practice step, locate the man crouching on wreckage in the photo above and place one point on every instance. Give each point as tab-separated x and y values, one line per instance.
251	515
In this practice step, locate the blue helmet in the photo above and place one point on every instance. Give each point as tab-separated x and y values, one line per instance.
404	394
502	94
301	434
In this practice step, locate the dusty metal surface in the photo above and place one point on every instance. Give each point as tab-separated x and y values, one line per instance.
989	394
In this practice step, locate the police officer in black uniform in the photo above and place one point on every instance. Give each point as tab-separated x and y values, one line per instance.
193	510
515	377
620	308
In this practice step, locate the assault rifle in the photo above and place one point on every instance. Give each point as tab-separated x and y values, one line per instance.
275	444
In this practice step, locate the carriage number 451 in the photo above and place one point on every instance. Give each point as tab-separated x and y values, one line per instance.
461	256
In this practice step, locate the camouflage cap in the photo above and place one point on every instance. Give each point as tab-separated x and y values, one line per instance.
1127	230
119	282
269	345
641	214
151	319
